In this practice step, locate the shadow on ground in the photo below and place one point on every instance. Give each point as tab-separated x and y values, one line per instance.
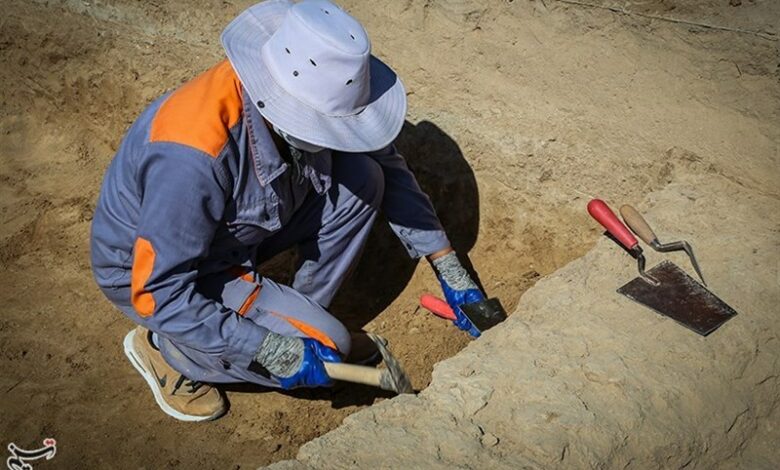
341	395
385	268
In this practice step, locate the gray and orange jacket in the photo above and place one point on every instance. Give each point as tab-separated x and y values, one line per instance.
190	195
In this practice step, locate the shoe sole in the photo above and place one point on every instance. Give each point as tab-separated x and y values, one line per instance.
135	360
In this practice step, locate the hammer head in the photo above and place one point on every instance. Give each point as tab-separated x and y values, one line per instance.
395	379
484	315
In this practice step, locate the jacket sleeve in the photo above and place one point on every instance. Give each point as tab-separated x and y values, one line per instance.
407	208
182	205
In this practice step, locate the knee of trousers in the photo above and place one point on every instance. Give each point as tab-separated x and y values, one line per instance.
339	334
362	176
329	326
288	312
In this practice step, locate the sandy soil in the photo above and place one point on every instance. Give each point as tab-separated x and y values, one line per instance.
519	113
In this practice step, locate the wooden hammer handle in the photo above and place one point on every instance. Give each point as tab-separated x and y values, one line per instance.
354	373
638	224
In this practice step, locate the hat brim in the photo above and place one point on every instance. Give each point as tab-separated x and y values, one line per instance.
373	128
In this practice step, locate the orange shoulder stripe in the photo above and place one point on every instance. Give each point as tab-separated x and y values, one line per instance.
201	112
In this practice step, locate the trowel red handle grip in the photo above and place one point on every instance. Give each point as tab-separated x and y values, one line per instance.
437	306
600	211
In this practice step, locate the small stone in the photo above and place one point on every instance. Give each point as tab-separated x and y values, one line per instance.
488	440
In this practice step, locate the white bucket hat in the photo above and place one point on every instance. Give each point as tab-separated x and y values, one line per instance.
308	68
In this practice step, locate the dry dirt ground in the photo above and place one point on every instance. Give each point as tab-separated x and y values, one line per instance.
520	111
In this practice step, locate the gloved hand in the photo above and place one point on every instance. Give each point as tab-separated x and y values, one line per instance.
296	362
458	288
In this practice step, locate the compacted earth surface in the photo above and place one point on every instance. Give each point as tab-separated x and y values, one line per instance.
520	112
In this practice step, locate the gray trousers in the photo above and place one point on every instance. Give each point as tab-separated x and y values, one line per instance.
330	231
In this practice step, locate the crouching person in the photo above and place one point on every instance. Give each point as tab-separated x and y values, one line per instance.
287	143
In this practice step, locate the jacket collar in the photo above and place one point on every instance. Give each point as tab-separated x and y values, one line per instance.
269	164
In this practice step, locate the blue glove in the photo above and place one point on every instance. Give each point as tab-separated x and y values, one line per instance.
312	372
456	298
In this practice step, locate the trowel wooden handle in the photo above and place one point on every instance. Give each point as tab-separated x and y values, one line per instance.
638	224
600	211
353	373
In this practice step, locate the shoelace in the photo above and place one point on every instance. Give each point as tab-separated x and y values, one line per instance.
193	385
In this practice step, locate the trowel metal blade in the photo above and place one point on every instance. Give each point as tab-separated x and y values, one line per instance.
484	315
681	298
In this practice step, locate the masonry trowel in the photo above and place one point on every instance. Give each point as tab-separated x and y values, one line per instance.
665	288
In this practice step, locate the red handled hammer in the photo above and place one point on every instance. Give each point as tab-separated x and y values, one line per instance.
483	315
